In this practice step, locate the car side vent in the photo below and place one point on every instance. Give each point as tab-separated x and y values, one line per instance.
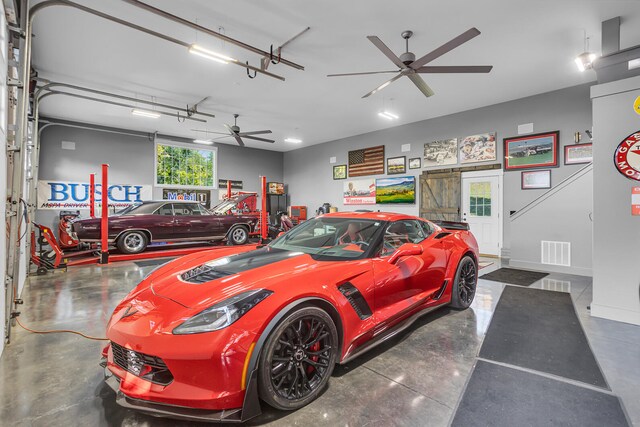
441	235
357	301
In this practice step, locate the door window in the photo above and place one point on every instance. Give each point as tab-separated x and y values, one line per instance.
186	209
480	198
400	232
164	210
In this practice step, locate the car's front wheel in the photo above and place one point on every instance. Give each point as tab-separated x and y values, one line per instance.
132	242
298	359
464	285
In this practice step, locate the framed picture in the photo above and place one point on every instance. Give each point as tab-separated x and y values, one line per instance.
531	151
478	148
441	153
359	192
400	189
415	163
578	153
534	180
340	172
396	165
275	188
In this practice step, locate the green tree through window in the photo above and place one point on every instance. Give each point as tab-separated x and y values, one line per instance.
182	166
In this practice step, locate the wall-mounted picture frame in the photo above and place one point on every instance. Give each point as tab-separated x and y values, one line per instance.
576	154
275	188
441	153
531	151
415	163
340	172
396	190
536	180
478	148
396	165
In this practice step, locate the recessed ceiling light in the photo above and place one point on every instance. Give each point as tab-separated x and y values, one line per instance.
293	140
146	113
387	115
203	141
209	54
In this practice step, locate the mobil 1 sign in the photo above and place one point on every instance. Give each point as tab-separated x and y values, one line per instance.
76	195
202	196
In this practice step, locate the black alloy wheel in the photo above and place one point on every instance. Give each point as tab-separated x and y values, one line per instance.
298	359
464	287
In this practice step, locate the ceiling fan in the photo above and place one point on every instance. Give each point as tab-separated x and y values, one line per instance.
234	132
411	67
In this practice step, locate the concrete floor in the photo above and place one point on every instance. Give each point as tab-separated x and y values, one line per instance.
415	379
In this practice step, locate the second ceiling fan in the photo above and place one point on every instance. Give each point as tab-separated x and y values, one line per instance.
234	132
411	67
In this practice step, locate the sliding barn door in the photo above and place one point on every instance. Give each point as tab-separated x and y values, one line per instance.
440	196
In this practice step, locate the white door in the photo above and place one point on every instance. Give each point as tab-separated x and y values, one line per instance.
481	206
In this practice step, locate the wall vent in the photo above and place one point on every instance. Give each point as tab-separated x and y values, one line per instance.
555	253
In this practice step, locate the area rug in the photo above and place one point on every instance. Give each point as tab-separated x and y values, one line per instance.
514	276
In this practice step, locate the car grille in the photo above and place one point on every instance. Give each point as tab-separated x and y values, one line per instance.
203	274
142	365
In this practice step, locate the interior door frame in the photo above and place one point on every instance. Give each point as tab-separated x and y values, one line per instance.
489	173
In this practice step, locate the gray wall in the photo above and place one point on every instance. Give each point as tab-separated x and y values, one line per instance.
131	160
308	173
616	233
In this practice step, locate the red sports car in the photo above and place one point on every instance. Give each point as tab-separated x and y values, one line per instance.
209	335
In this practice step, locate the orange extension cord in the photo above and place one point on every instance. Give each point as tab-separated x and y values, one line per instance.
60	331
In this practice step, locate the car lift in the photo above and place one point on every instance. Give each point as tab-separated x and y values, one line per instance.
56	258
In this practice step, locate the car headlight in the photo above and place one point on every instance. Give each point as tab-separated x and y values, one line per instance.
222	314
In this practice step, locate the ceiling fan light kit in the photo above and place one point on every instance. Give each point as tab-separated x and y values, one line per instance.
409	66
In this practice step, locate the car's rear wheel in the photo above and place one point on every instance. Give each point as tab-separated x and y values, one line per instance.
464	285
298	359
239	235
132	242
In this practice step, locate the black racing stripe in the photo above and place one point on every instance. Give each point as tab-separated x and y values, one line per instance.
237	264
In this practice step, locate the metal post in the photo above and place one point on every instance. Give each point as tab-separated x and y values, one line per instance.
92	195
264	226
18	165
228	189
104	221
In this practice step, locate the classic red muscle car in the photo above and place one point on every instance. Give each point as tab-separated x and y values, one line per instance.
133	228
210	335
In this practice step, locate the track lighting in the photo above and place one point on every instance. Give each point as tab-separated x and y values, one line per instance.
206	53
146	113
585	60
293	140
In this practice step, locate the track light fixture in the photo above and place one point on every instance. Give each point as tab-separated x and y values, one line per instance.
585	60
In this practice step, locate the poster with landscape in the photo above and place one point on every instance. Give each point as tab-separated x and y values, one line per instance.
396	190
359	192
441	153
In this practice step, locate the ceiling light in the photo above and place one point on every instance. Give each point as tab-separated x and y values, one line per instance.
146	113
387	115
203	141
206	53
293	140
633	64
585	60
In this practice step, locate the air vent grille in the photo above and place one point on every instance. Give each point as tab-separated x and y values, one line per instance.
555	253
357	301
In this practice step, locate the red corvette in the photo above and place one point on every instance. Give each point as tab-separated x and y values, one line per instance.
209	335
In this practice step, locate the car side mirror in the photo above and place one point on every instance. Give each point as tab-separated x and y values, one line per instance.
408	249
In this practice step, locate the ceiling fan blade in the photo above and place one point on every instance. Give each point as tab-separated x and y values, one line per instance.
383	85
259	139
456	69
448	46
361	74
208	131
421	84
255	132
387	52
221	137
229	129
239	140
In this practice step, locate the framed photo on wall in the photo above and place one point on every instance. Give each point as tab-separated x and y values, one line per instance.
576	154
531	151
478	148
394	190
396	165
340	172
535	180
415	163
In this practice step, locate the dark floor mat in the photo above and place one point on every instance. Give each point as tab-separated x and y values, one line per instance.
502	396
539	329
514	276
152	262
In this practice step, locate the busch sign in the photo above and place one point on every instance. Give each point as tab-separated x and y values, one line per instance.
75	195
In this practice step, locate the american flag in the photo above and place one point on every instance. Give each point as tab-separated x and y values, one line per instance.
368	161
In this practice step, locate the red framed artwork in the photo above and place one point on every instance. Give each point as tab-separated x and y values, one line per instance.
576	154
531	151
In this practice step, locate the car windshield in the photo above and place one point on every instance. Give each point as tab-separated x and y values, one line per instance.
331	238
224	207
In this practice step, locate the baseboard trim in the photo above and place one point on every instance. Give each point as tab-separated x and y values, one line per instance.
614	313
580	271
